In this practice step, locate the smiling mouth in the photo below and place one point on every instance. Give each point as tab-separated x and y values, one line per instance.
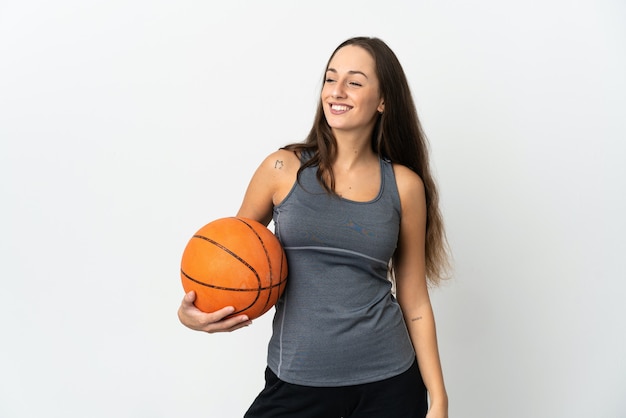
340	108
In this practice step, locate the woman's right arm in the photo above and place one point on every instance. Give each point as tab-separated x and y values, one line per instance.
271	181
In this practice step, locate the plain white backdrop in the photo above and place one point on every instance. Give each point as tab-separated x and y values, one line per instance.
127	125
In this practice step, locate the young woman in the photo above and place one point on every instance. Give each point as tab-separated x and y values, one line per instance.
356	210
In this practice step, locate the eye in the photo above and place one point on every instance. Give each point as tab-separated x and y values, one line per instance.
329	80
355	84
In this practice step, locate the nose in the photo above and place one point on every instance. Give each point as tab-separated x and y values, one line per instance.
337	90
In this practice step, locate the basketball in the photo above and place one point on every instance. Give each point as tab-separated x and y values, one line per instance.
234	262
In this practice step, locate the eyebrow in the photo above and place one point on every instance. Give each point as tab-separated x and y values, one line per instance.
349	72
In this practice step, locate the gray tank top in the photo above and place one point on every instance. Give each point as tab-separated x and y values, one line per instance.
337	323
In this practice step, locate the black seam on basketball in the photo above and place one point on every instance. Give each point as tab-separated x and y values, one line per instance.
242	261
231	289
226	249
267	257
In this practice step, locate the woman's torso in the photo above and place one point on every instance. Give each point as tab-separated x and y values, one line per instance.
337	322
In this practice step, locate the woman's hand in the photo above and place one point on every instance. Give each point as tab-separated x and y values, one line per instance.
194	318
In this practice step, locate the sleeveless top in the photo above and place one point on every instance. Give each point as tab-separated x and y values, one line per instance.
337	323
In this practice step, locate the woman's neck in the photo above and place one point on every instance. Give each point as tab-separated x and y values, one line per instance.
353	151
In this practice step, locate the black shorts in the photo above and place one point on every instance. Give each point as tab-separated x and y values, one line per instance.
402	396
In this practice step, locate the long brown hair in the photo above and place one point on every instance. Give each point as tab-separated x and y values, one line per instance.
397	136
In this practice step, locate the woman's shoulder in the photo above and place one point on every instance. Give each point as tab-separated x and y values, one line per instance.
409	183
278	170
282	160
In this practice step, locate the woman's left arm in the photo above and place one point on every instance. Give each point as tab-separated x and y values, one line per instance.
412	289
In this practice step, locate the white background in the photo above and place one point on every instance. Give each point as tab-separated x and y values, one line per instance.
127	125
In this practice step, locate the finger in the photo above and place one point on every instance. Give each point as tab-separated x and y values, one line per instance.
229	325
241	325
189	297
221	313
231	329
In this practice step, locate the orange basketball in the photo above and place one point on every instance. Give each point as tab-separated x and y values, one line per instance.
234	262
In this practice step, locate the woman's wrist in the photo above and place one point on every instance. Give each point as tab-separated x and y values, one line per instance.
440	399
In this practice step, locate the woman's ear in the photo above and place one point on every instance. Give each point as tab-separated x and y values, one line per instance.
381	107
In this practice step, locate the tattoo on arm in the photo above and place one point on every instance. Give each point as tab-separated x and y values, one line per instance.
417	318
278	164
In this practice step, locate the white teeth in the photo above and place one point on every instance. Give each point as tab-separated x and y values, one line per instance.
340	108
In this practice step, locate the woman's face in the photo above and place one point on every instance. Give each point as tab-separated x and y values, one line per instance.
351	96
